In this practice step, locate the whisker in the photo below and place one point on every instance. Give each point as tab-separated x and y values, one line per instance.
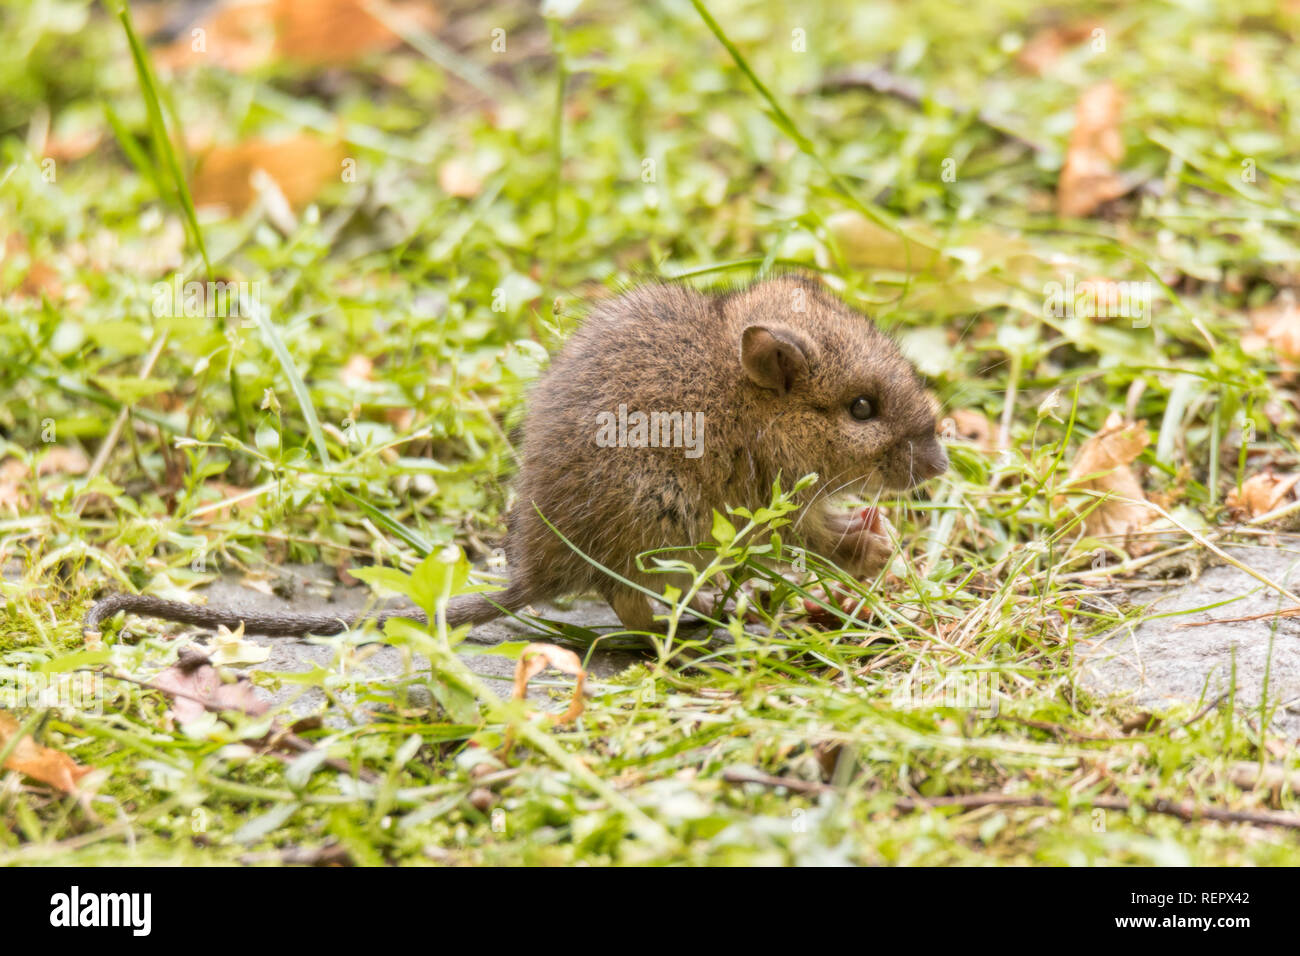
808	508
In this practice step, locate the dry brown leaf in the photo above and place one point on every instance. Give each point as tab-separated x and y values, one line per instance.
1047	45
40	279
195	686
1100	298
73	144
535	659
40	763
1278	323
1249	775
232	497
1107	455
1142	721
358	372
1245	63
62	460
340	31
400	418
12	474
238	36
1260	494
245	34
301	166
1088	178
965	424
457	178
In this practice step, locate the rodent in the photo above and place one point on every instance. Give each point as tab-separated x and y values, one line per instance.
776	378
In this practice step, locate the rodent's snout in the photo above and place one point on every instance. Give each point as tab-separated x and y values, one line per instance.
929	459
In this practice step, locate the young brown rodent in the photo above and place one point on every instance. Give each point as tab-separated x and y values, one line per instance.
669	403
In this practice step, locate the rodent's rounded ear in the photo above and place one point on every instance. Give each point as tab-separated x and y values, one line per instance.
773	358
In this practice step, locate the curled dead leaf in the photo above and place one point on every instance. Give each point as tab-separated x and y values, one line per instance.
1088	177
342	31
1278	323
12	474
301	166
535	659
1103	465
241	35
1261	493
40	763
1046	47
63	460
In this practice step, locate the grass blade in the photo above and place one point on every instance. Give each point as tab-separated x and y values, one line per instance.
276	342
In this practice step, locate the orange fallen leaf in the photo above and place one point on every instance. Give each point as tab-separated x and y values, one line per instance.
237	36
1088	177
1260	494
63	460
535	659
231	498
358	372
12	474
400	418
1102	465
301	167
457	178
1100	298
41	279
73	144
965	424
1278	323
1246	69
1047	46
60	460
40	763
245	34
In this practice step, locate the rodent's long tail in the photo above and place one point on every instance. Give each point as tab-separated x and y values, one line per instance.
465	609
478	608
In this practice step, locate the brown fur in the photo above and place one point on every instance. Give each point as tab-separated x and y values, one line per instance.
671	348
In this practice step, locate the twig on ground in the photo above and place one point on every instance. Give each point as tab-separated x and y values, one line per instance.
1183	809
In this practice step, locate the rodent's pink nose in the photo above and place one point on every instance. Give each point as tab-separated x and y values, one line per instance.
930	461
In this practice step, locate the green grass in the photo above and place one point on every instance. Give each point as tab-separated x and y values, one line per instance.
453	300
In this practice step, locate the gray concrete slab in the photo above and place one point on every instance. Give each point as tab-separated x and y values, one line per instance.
1159	660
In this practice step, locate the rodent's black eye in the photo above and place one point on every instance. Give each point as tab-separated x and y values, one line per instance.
862	409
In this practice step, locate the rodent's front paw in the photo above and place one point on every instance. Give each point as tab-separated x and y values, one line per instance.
863	541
